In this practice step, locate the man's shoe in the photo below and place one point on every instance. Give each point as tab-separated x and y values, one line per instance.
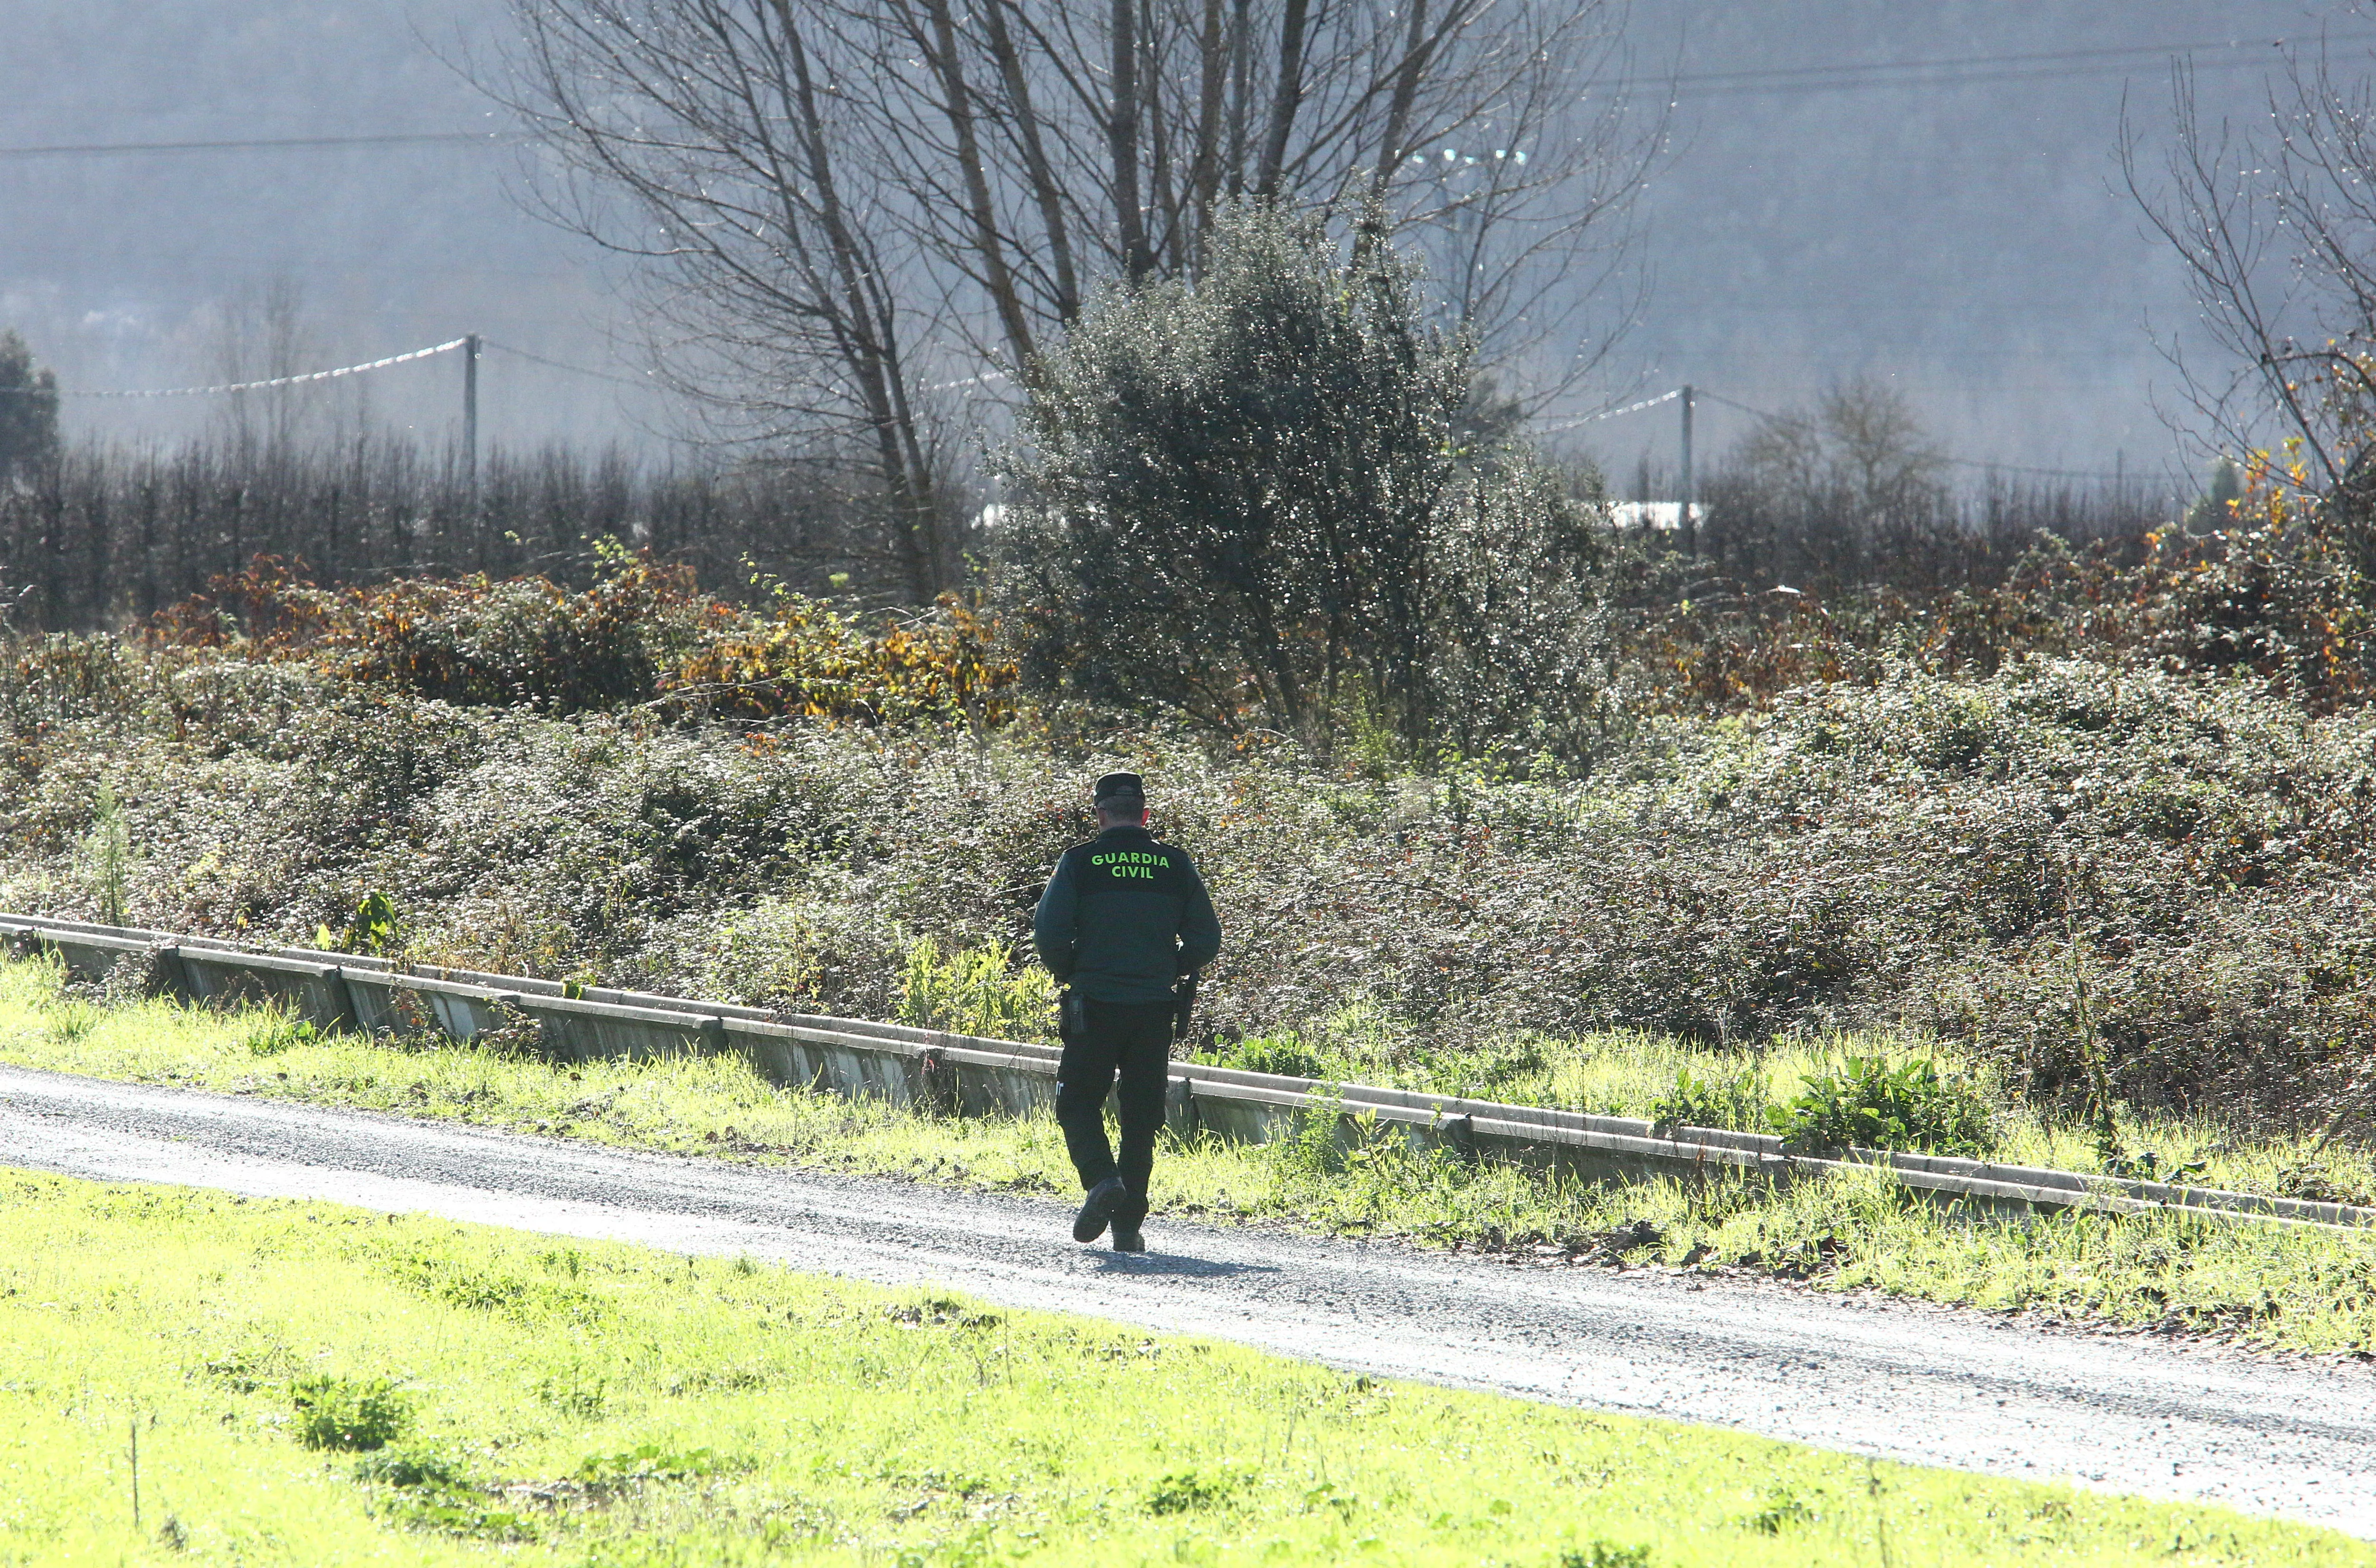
1098	1209
1126	1239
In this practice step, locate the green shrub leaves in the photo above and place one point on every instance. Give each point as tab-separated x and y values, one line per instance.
1184	1491
350	1413
1869	1104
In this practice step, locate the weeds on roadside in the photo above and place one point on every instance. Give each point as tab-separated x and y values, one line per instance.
1735	1101
1607	1555
70	1022
278	1029
373	928
982	992
108	852
1869	1104
1184	1491
350	1413
1782	1508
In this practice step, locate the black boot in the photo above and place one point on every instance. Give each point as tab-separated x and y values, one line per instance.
1098	1209
1126	1236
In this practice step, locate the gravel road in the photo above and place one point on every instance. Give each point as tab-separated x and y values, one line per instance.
1918	1384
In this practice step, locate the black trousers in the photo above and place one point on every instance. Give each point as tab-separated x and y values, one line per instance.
1131	1040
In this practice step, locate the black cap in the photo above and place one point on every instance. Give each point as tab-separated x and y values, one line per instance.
1121	789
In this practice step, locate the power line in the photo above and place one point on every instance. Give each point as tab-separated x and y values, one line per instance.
1948	71
1834	73
983	379
259	144
1785	73
1796	423
2024	468
409	356
986	376
1976	69
279	380
1666	397
405	358
558	364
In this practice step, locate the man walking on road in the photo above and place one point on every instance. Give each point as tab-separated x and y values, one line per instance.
1125	924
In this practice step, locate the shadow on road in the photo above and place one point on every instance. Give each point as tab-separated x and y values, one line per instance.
1174	1266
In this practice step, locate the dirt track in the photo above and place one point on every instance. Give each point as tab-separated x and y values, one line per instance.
1909	1383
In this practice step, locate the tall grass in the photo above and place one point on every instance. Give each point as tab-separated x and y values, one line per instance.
109	848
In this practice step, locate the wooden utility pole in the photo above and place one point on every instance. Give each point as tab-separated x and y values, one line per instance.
1683	516
470	414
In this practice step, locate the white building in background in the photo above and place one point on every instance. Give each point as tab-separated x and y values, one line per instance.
1666	516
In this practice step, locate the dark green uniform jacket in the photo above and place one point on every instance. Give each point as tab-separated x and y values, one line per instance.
1124	917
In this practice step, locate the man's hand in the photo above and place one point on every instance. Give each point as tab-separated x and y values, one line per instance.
1186	1007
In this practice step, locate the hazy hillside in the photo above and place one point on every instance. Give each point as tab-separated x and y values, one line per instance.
110	262
1956	230
1961	229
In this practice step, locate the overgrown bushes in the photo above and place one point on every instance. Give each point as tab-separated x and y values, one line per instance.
348	1413
641	634
1870	1104
2272	588
2106	824
525	642
804	661
2153	880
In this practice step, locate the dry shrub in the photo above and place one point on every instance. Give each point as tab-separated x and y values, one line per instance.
1941	854
2279	591
477	641
642	633
804	661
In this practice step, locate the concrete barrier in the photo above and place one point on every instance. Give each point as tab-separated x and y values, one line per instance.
958	1074
315	992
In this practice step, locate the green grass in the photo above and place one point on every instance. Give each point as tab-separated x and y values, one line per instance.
1632	1073
2302	1289
312	1385
1628	1072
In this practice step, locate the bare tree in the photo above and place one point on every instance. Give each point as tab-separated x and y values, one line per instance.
2276	228
855	205
1853	482
259	332
1862	441
1045	140
781	285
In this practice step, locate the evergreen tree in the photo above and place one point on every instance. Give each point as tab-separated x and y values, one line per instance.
1224	487
1278	497
2210	510
28	412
